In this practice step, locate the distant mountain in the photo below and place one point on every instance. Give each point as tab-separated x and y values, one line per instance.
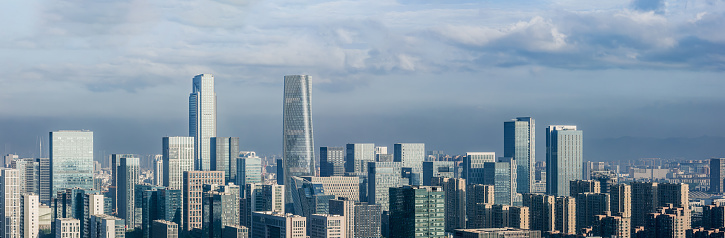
627	148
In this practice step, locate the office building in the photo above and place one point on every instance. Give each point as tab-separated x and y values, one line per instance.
309	198
298	142
358	156
29	172
224	152
412	156
220	209
519	142
496	232
502	174
381	177
479	198
45	190
29	215
113	190
128	176
327	226
249	169
67	228
455	202
202	119
473	166
270	224
563	158
606	179
644	202
621	198
192	195
590	205
158	168
236	231
10	210
78	204
261	198
178	155
8	160
427	220
542	211
163	228
71	160
362	219
442	169
584	186
149	205
611	226
347	187
332	161
717	175
106	226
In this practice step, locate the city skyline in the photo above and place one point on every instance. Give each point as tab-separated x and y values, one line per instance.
634	77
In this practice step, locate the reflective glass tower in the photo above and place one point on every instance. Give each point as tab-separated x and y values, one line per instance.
563	158
519	143
299	155
202	119
71	160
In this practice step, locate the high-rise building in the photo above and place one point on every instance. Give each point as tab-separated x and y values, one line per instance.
224	152
584	186
44	187
259	198
29	215
150	206
106	226
412	156
71	160
443	169
479	198
270	224
113	190
249	170
667	222
309	198
502	174
606	179
202	119
590	205
327	226
542	211
428	217
644	202
713	216
678	196
473	166
381	177
455	201
158	168
332	161
611	226
621	197
563	158
193	194
79	204
717	175
29	172
346	187
565	220
67	228
220	209
163	228
10	209
178	155
128	176
358	156
496	232
299	146
236	231
362	219
519	142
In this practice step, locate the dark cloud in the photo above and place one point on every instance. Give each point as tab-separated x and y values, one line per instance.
657	6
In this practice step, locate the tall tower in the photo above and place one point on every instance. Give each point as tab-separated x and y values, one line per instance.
71	160
299	154
10	203
519	142
563	158
717	175
202	119
128	177
178	156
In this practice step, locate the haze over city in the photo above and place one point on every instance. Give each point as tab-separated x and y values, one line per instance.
640	78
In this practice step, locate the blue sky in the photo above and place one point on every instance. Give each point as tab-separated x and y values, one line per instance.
447	73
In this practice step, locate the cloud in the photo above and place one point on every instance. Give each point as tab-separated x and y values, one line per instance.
657	6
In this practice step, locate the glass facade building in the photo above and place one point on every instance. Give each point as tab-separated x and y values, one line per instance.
178	156
298	153
71	160
202	119
563	158
417	212
224	152
519	142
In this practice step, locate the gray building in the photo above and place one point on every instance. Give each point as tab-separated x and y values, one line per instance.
224	152
519	142
442	169
502	174
381	177
473	166
249	169
362	219
202	119
71	160
326	226
717	175
163	228
106	226
128	176
298	141
428	217
220	209
269	224
332	161
455	201
412	156
236	231
564	158
178	156
261	198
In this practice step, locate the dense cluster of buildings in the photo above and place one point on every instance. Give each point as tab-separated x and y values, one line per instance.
202	185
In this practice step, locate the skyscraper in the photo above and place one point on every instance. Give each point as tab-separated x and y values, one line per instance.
193	193
30	215
381	177
249	170
332	161
563	158
455	201
519	142
178	155
299	145
10	203
717	175
502	174
473	165
412	156
417	211
128	177
202	119
224	152
71	160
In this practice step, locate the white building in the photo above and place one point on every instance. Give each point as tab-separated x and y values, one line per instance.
202	119
30	217
327	226
178	156
67	228
10	203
